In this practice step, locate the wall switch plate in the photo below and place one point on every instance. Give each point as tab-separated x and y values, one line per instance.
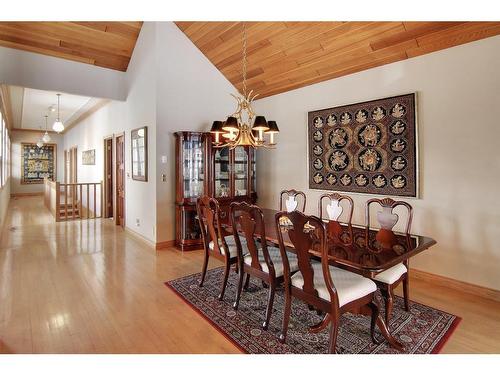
137	222
164	177
164	159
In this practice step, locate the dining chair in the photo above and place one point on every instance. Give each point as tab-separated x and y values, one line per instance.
262	261
216	241
289	198
336	233
330	289
385	238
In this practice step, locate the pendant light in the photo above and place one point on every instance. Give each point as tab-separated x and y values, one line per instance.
46	136
39	143
58	125
243	128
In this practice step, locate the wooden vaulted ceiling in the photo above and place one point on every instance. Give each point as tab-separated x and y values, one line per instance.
286	55
104	44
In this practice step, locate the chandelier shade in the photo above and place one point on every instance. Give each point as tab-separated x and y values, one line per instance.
216	127
273	127
46	136
230	124
260	123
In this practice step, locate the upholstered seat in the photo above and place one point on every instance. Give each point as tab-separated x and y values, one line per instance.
231	244
350	286
391	275
274	254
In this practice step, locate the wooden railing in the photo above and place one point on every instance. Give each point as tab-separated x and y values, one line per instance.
83	200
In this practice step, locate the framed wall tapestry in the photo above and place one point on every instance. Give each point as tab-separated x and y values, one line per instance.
368	147
38	163
88	157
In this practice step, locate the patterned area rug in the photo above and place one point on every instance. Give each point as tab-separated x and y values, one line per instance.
422	330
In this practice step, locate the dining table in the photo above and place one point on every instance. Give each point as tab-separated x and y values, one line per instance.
355	256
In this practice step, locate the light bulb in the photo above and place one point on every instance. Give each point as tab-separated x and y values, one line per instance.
39	143
46	138
58	126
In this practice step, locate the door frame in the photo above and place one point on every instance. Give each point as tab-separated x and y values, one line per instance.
105	187
115	168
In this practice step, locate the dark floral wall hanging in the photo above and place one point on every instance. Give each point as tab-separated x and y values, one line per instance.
367	147
38	163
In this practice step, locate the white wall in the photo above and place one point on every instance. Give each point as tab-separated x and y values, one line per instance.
27	69
18	137
191	94
458	102
118	117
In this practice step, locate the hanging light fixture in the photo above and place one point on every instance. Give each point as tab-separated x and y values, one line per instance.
39	143
46	136
243	128
58	125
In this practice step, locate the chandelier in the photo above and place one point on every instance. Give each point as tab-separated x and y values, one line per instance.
58	125
243	127
46	136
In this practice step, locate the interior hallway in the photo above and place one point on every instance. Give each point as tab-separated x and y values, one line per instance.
90	287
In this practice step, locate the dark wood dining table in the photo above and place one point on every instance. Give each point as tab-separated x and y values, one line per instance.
357	257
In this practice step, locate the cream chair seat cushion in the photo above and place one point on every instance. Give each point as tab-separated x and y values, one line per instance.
391	275
275	255
350	286
231	244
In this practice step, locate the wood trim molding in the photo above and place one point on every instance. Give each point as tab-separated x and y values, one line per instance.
141	238
18	195
165	245
461	286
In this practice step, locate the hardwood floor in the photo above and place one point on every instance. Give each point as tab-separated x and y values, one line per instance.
89	287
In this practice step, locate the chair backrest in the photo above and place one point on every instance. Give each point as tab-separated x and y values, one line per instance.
289	201
387	219
333	212
210	223
306	233
248	220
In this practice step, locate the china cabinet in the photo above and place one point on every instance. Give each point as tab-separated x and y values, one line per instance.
191	182
227	175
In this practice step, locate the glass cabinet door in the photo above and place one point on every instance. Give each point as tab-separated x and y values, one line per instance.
240	171
192	157
190	225
221	173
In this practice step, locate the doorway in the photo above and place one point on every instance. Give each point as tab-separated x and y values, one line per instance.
108	177
120	180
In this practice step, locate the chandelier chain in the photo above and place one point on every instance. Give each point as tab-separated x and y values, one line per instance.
244	59
58	115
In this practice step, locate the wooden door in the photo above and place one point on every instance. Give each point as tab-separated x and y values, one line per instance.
108	177
120	180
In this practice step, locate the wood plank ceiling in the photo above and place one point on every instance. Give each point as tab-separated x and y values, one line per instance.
104	44
287	55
